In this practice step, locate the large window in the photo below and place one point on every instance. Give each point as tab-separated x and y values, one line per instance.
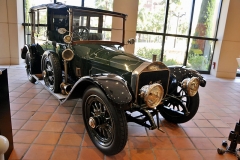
180	32
71	2
100	4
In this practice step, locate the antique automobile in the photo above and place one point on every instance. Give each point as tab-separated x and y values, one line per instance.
78	52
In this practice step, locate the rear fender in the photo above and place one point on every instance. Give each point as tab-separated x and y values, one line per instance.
113	86
24	51
35	54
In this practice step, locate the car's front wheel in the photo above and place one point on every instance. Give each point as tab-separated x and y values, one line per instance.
105	123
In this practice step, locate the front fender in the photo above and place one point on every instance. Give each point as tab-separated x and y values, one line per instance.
114	87
181	73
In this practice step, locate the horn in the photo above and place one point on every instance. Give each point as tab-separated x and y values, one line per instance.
67	55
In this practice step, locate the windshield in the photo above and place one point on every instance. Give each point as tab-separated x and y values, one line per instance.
96	26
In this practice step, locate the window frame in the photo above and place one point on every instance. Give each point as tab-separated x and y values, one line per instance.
164	34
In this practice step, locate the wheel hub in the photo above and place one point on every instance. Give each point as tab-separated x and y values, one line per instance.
92	122
44	74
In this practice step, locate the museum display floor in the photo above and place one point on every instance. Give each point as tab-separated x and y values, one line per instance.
44	129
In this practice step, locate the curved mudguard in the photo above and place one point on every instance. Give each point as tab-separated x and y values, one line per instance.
180	73
35	53
24	51
114	87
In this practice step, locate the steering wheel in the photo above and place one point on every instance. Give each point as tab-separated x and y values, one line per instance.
80	33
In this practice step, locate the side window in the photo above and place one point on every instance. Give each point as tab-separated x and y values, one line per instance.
57	18
60	21
41	28
79	20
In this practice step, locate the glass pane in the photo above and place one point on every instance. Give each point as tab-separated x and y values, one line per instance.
174	50
146	45
205	17
43	16
151	15
106	35
179	16
200	54
30	3
71	2
100	26
41	36
100	4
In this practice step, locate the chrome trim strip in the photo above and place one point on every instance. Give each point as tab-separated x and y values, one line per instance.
135	77
140	69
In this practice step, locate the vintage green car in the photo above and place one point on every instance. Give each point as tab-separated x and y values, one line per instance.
78	52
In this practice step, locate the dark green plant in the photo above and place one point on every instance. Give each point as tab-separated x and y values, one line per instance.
204	24
198	62
169	62
147	54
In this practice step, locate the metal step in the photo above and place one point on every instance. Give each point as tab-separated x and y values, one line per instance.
59	96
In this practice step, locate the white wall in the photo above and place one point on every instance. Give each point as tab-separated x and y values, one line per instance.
228	45
129	7
11	31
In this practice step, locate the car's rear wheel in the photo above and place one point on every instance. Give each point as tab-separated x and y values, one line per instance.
105	123
52	72
28	68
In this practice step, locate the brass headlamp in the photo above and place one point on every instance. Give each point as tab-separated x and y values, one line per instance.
191	85
152	94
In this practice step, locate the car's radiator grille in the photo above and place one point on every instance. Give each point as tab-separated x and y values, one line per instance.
146	78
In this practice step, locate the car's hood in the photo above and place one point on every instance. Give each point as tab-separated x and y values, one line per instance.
108	55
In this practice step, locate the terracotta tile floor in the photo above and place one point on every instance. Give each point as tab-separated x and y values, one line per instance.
44	129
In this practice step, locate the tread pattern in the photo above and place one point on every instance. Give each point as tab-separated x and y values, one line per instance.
52	58
57	72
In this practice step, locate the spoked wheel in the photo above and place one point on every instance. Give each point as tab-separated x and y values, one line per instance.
179	107
28	68
80	33
106	124
52	72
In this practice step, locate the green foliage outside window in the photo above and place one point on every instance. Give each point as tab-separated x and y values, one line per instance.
204	25
104	4
147	54
198	62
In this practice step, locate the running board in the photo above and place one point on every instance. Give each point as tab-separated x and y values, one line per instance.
61	98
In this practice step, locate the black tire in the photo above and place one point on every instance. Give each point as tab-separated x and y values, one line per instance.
110	132
52	74
29	65
173	111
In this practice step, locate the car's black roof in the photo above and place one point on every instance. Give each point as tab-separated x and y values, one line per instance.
63	6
